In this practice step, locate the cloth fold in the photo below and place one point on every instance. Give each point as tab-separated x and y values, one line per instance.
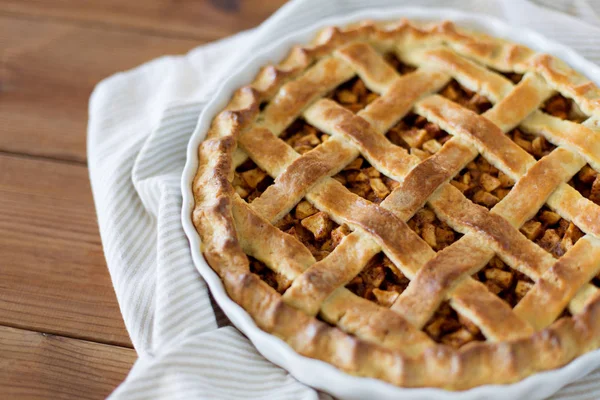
140	122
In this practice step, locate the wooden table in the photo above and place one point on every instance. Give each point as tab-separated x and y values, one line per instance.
61	332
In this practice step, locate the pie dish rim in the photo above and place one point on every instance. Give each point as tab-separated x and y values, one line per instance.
317	373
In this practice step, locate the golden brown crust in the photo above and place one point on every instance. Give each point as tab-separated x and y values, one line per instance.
300	176
371	340
401	96
312	288
420	183
331	118
484	134
498	233
560	283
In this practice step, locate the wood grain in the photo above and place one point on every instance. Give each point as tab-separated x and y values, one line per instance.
47	73
40	366
201	19
53	276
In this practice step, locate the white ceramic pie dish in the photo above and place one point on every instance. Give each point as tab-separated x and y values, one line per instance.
316	373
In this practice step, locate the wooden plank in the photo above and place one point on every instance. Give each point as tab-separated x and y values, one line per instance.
39	366
202	19
53	275
47	72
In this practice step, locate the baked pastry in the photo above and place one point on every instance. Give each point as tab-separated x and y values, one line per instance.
411	202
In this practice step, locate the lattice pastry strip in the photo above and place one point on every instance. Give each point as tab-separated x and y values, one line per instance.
566	280
295	95
575	137
469	74
560	284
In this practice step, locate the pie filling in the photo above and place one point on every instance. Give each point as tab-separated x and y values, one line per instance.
398	65
250	181
418	136
353	95
563	108
274	279
313	228
482	183
587	182
536	145
465	97
436	233
511	76
365	181
450	328
551	232
380	280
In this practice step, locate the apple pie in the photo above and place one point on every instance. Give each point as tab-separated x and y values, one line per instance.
411	202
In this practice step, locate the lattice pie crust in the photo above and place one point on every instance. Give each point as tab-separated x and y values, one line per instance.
413	203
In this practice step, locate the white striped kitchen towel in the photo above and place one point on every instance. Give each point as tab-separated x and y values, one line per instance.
140	122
